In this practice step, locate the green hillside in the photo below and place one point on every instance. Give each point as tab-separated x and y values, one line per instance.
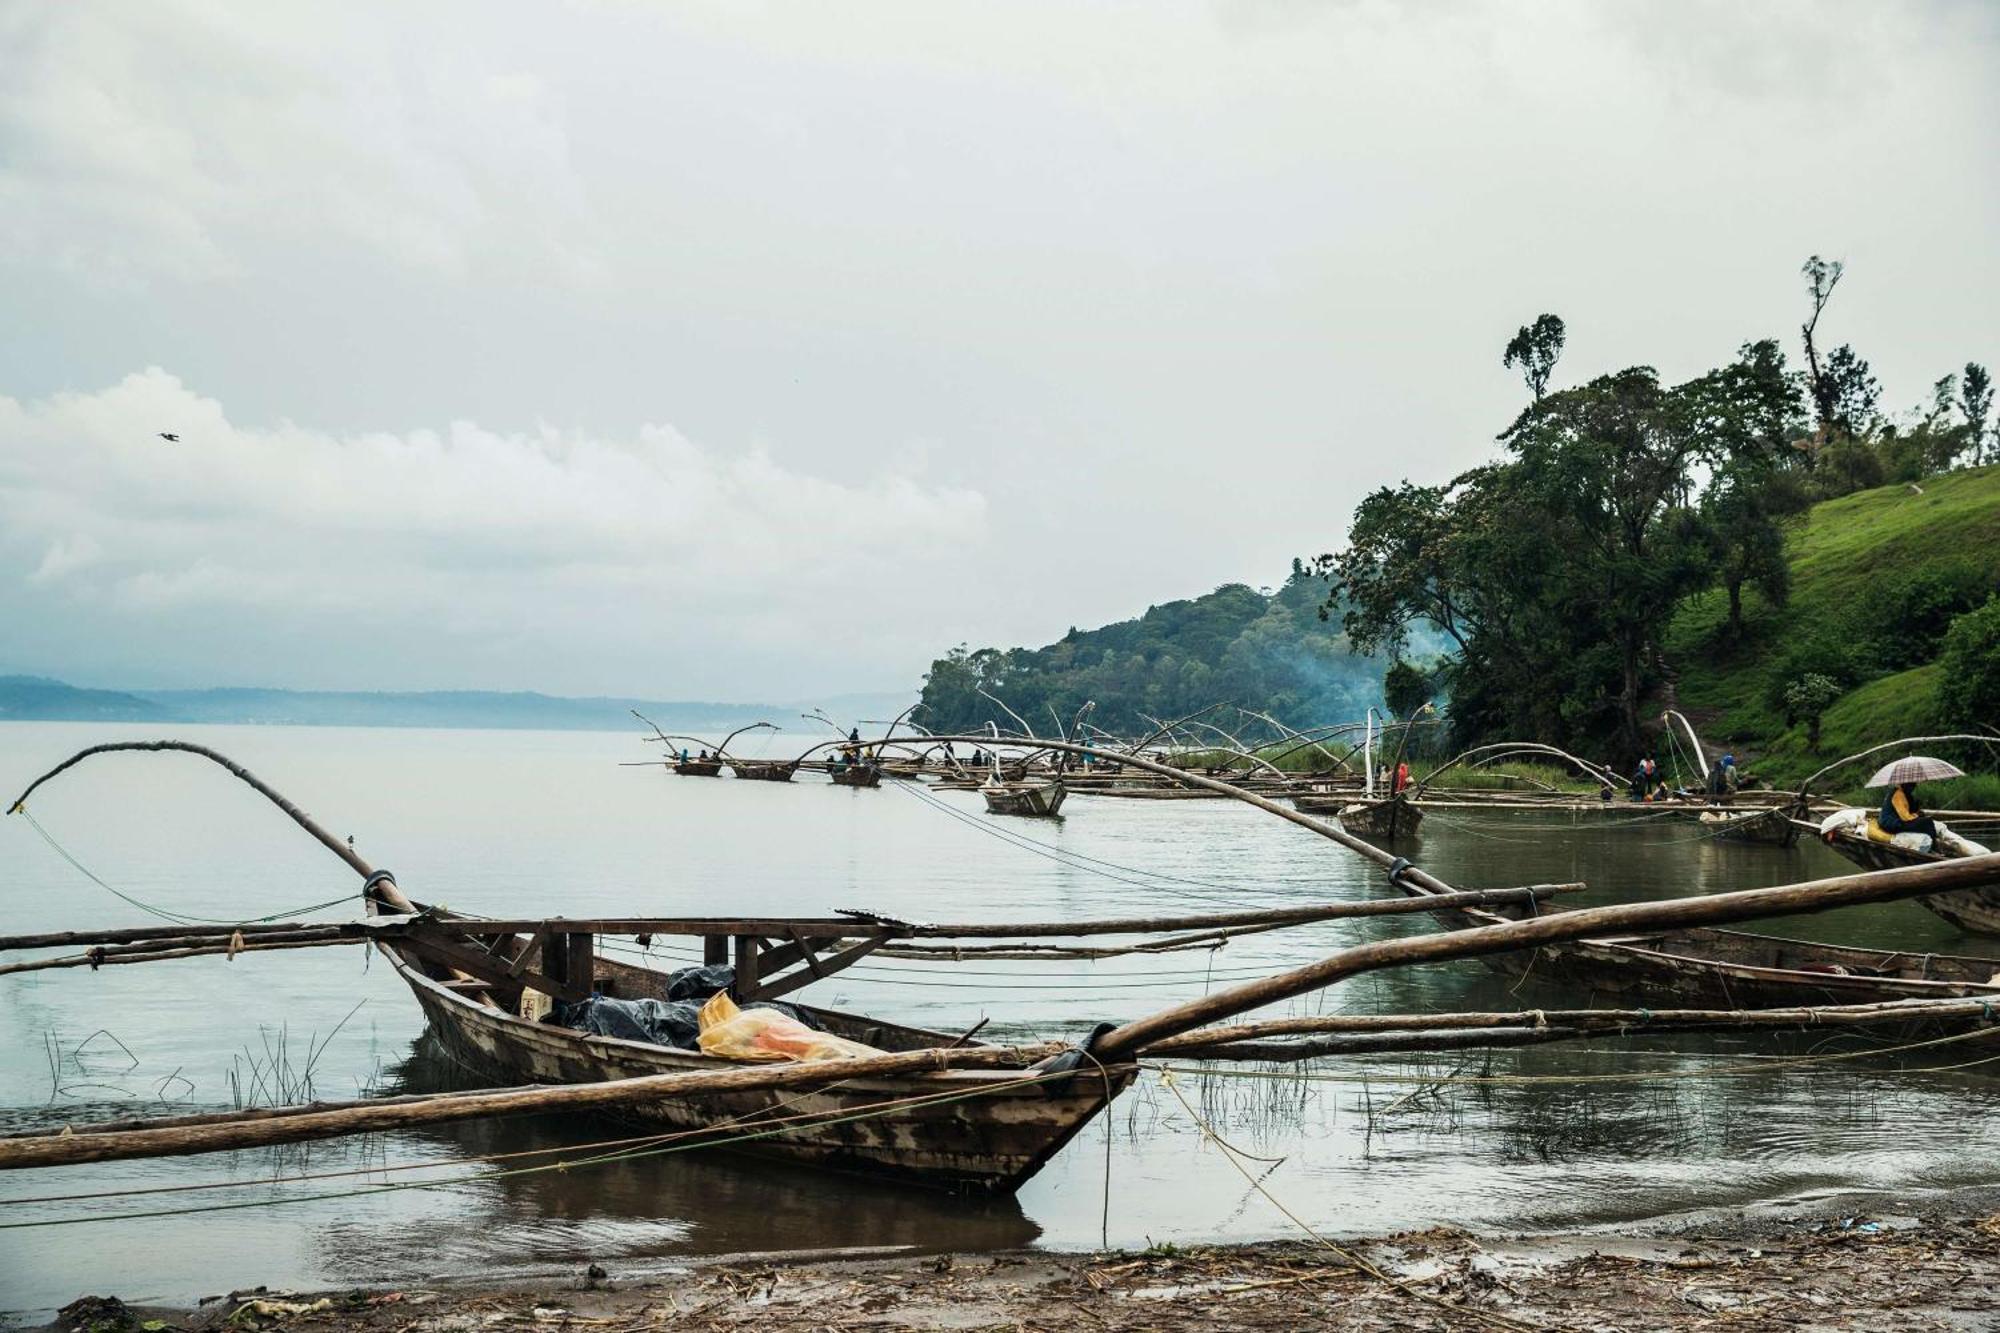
1877	577
1235	645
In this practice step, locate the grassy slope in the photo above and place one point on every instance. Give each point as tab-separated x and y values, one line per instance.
1839	553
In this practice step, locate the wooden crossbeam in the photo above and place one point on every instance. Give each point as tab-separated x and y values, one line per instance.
827	966
477	962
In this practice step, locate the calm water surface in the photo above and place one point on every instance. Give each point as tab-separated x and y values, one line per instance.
534	823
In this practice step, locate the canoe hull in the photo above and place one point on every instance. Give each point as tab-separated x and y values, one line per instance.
1025	799
1383	819
1769	828
990	1137
1736	969
856	775
762	770
1976	911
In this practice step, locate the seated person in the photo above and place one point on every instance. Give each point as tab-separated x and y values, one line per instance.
1901	813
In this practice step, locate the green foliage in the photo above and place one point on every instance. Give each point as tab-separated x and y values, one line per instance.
1969	682
1553	572
1923	606
1807	698
1850	558
1975	400
1536	348
1825	656
1234	645
1406	688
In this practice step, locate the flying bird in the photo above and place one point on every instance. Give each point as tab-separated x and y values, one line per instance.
169	437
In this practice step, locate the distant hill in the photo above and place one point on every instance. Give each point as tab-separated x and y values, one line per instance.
33	698
1877	577
1235	645
38	699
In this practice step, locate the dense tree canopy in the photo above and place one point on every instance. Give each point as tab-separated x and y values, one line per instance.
1234	645
1553	571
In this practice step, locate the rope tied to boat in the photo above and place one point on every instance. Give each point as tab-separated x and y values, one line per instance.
1399	867
379	877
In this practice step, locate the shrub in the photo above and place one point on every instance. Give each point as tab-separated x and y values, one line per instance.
1848	465
1969	683
1806	699
1921	608
1826	653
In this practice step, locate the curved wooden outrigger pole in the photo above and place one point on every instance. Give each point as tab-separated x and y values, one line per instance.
1584	766
1990	742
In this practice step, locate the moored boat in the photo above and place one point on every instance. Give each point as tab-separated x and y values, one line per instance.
1023	798
974	1130
1770	826
855	775
698	768
1976	911
1734	968
764	770
1393	818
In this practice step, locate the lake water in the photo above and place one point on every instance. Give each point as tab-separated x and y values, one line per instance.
542	823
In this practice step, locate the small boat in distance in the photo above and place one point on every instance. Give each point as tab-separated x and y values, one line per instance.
1023	797
1771	826
1393	818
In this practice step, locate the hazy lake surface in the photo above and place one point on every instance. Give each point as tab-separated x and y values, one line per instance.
529	823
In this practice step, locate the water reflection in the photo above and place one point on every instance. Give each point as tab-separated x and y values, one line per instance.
538	823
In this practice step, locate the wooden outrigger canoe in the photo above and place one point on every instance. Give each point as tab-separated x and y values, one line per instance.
1976	911
764	770
1393	818
1771	826
973	1130
698	768
1733	968
1023	798
855	775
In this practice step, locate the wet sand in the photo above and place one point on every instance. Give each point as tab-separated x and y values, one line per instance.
1830	1270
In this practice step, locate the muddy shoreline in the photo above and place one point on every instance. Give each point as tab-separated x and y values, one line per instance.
1897	1266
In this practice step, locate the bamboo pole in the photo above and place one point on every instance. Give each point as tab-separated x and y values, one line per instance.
1706	910
57	939
1427	1040
298	816
201	1134
1605	1021
164	954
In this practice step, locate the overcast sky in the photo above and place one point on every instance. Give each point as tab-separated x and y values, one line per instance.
763	351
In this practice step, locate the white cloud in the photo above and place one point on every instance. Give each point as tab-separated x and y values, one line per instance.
155	141
460	546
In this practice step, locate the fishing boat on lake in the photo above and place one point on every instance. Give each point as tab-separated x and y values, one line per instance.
863	774
1394	818
975	1130
1770	827
1023	797
1976	911
1734	968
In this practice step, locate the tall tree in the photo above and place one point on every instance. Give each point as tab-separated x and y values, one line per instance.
1536	348
1822	276
1975	399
